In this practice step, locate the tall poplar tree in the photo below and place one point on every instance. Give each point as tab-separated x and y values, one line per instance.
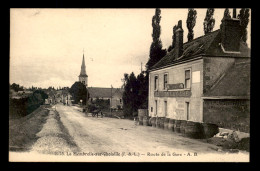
209	21
227	13
191	21
244	20
156	51
173	38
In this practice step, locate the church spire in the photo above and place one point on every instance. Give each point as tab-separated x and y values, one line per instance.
83	77
83	67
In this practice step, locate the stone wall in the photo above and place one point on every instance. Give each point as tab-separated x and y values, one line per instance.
230	114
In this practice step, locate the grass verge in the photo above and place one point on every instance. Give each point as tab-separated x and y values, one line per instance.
22	131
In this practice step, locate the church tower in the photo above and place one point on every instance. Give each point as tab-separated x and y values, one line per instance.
83	77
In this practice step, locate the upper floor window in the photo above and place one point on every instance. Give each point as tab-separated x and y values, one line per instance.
156	82
165	81
187	78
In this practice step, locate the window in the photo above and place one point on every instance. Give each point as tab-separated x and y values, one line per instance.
188	110
120	101
156	82
165	81
187	78
165	108
151	109
155	107
83	82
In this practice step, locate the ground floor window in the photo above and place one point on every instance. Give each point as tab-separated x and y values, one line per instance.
188	109
165	108
155	107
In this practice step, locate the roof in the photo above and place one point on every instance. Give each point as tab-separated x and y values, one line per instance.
235	82
207	45
103	92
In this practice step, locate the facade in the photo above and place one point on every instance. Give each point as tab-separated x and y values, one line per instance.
107	94
66	97
204	80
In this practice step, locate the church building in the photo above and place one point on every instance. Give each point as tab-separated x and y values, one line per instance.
114	95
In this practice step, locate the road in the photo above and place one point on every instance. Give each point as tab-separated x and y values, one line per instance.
116	140
93	134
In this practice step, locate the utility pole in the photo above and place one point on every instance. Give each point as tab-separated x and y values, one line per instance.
111	102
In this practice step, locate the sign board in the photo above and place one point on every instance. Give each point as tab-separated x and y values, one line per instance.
175	86
185	93
196	77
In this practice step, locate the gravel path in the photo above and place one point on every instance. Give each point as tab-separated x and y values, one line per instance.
52	138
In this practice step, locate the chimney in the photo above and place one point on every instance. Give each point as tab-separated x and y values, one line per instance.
234	13
179	39
230	34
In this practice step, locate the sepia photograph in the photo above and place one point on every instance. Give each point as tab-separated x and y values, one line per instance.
129	85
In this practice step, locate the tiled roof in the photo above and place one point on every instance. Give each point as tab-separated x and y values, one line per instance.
236	82
102	92
208	44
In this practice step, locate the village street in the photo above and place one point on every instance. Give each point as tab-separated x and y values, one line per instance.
99	135
71	135
111	135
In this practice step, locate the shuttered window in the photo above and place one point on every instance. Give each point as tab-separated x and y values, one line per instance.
187	78
165	81
156	83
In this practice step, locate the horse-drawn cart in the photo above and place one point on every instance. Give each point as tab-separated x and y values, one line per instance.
97	112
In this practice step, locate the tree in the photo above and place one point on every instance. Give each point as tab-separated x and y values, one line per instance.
156	51
226	13
244	20
209	21
130	95
142	81
42	93
79	92
191	21
173	39
16	87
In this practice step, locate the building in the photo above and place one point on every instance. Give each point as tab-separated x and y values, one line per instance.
66	97
204	80
100	92
107	94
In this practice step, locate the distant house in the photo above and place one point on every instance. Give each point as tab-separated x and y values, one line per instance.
51	96
66	97
204	80
115	94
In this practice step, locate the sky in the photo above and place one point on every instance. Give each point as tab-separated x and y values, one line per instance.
46	45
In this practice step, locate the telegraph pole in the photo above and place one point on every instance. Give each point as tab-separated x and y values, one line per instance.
111	102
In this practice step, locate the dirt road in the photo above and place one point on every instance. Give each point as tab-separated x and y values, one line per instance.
86	138
110	135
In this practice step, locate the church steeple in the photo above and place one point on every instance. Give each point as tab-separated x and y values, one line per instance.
83	77
83	67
